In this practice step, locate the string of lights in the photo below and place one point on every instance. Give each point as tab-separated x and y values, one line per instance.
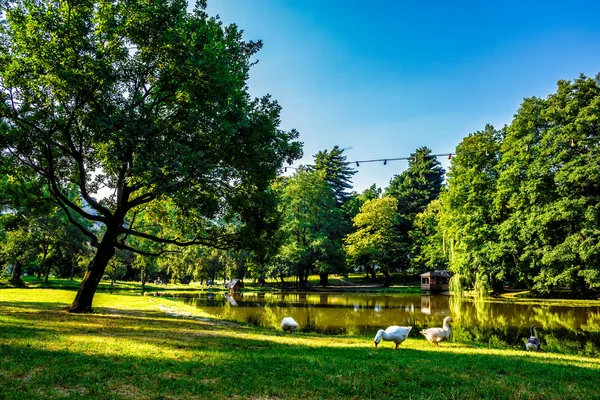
527	146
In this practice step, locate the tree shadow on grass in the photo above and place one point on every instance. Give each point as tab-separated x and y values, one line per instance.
288	372
57	355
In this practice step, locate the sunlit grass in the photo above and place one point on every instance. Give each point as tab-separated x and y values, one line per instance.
142	347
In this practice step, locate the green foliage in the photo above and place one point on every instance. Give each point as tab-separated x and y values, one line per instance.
107	95
311	227
337	172
414	189
466	219
427	241
376	240
356	201
548	193
117	267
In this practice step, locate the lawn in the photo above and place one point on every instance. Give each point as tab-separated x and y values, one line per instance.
142	347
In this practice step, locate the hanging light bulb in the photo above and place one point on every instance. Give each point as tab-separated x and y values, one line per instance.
486	152
357	164
384	162
572	143
449	156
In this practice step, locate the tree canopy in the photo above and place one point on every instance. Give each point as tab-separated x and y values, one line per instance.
105	95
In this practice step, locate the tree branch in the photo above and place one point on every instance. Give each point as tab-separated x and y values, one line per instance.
177	242
121	246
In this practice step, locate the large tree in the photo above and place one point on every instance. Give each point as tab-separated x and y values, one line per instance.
548	193
467	220
377	241
338	172
144	100
311	226
414	189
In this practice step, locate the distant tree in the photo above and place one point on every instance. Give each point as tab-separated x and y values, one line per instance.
337	172
108	95
356	201
117	267
427	240
23	202
414	189
311	222
376	240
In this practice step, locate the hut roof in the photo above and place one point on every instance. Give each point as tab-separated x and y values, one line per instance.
233	282
442	273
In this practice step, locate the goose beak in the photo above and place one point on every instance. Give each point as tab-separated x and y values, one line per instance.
375	343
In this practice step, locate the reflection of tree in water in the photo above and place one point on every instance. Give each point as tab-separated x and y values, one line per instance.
481	321
559	328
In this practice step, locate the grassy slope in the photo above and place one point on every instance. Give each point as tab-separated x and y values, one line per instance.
131	348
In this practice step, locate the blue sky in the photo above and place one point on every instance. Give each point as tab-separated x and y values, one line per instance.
382	78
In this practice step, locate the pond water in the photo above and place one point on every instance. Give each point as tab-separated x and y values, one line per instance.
561	328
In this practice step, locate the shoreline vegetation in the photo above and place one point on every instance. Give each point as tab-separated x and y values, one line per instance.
356	283
144	347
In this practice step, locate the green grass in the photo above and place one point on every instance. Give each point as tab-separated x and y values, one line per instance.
141	347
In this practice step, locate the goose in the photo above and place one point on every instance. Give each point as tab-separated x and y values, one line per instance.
288	324
533	343
396	334
436	335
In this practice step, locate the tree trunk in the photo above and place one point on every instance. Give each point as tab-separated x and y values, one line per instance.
73	268
91	280
306	274
323	279
387	279
498	287
47	274
16	274
42	266
373	275
143	276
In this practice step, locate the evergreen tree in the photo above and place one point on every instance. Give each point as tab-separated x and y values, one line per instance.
337	172
414	189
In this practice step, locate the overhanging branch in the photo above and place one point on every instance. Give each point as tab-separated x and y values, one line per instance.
122	246
178	242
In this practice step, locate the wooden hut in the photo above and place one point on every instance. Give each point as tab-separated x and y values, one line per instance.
435	281
234	286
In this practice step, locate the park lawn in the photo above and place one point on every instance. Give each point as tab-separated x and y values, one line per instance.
143	347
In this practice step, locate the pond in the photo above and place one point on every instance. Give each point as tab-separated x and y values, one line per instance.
562	328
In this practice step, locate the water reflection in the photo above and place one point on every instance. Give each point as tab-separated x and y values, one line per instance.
561	328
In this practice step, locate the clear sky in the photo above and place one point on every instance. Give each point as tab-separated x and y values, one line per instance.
383	78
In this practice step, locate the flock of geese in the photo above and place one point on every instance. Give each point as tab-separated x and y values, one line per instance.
399	334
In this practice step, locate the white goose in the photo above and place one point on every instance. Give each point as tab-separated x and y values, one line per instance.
533	343
288	324
436	335
396	334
